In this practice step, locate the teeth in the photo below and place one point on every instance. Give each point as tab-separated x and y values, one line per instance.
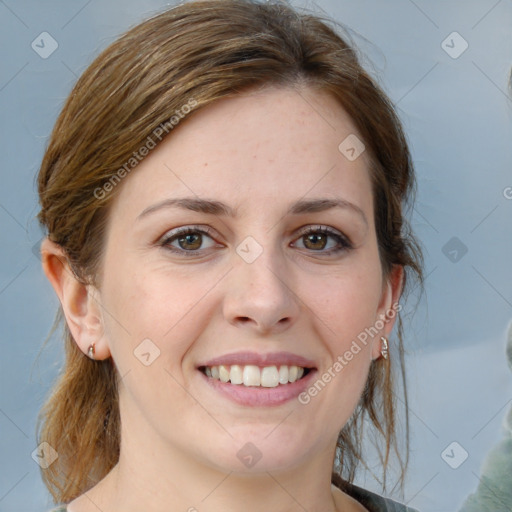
269	377
236	375
223	373
283	375
252	375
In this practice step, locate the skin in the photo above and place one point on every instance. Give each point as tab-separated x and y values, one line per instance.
259	153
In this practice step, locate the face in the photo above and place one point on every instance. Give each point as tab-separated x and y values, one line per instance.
242	248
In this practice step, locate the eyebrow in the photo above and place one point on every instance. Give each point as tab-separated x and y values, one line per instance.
218	208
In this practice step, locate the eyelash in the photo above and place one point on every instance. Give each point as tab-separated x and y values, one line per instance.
344	243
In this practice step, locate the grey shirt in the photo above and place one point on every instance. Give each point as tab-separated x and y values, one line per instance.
371	501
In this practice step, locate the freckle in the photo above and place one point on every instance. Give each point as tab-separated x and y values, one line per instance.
206	164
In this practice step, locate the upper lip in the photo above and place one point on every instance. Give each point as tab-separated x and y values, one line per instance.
256	359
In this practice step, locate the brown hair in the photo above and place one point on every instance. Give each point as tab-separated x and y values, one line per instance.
202	51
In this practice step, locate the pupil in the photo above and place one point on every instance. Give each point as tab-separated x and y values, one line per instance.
189	239
315	239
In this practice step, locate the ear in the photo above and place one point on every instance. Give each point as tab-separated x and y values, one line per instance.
80	302
388	307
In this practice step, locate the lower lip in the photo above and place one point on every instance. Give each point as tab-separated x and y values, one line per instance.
256	396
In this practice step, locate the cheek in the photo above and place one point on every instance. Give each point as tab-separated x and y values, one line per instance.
153	305
150	327
347	304
345	309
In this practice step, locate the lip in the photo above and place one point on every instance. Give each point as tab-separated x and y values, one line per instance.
260	396
257	359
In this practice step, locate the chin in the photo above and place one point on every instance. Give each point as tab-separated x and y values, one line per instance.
259	450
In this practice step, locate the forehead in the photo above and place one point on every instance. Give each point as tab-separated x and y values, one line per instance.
275	145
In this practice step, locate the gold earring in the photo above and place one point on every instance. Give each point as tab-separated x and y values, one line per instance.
90	352
384	350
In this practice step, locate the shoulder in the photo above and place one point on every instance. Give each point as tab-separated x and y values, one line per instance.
373	502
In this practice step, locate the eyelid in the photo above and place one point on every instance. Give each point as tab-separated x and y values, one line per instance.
313	228
171	233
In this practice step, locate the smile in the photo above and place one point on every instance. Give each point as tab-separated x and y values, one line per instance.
255	376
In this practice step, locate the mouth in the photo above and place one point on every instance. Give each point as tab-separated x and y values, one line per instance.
255	376
254	379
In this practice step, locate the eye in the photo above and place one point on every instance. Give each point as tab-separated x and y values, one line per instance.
191	240
187	240
319	238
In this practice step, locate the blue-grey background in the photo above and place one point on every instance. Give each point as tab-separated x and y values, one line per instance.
458	119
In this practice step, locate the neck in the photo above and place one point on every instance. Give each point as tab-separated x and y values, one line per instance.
185	485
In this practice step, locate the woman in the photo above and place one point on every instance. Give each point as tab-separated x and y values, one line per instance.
223	194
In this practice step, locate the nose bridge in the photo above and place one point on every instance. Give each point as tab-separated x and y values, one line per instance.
261	267
259	291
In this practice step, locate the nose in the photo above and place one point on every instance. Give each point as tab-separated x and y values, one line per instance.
259	295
